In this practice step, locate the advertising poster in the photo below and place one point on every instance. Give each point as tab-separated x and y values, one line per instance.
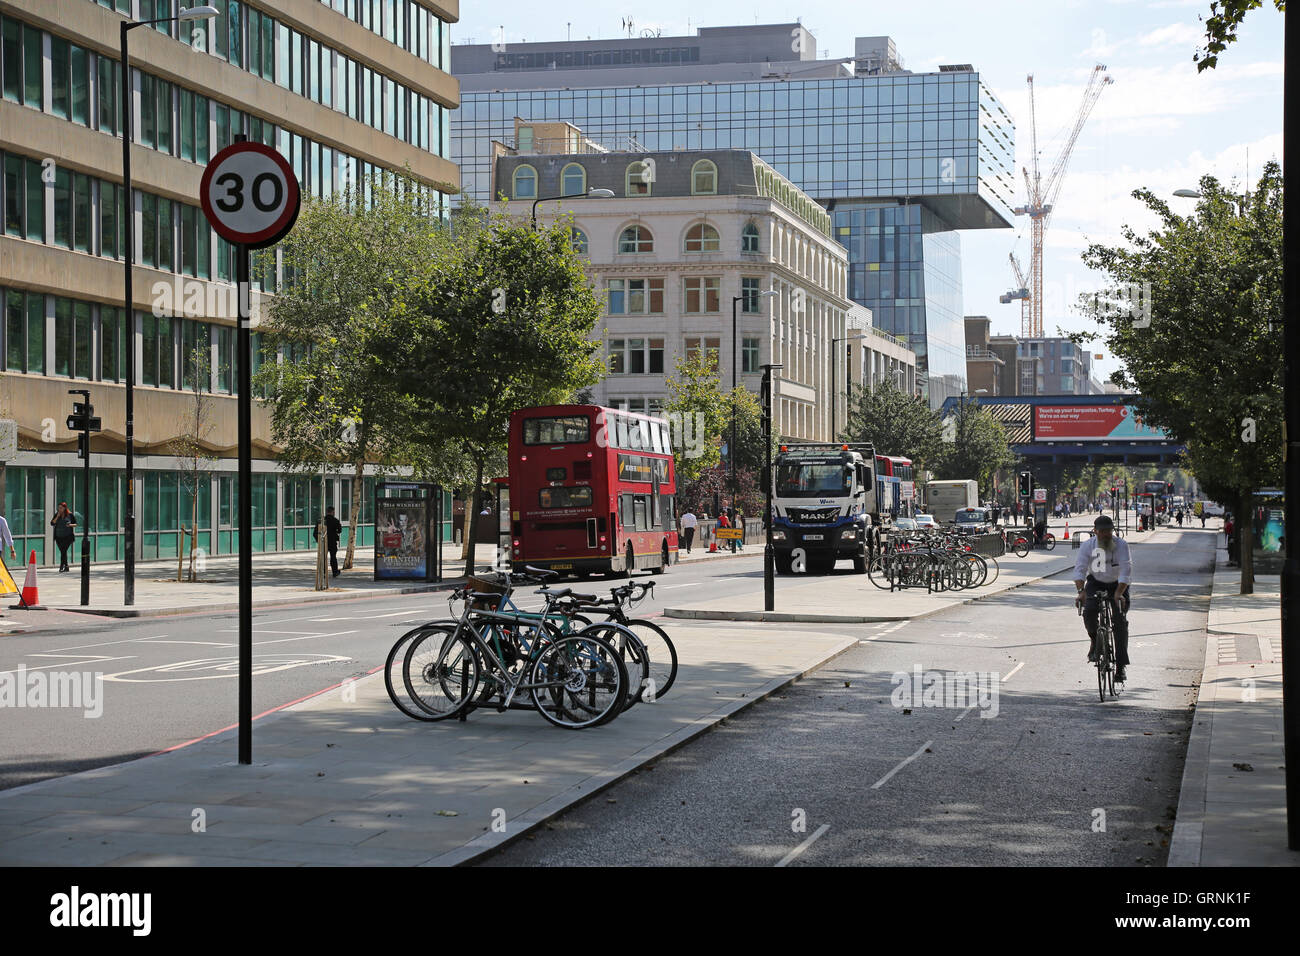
1092	423
401	550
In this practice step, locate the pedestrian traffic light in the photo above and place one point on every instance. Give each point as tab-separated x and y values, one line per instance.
1026	484
80	413
83	445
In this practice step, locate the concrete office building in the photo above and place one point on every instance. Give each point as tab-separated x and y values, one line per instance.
901	161
341	88
672	257
1010	365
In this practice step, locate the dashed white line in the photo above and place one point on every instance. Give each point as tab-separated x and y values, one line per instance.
885	779
793	854
1013	672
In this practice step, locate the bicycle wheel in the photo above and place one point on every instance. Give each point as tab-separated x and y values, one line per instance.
1049	541
393	681
1020	547
878	571
441	672
663	658
633	651
1104	660
579	682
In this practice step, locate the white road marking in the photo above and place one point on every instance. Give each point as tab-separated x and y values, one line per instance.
156	640
92	659
262	630
966	711
817	834
1013	671
669	587
883	780
287	640
362	617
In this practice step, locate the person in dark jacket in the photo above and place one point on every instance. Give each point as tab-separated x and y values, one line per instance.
65	523
333	528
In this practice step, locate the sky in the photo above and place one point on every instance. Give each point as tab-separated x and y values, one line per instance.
1160	125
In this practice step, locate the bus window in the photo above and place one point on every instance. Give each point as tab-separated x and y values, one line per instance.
625	512
563	430
564	497
639	513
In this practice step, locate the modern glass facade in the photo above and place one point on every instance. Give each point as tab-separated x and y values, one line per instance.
927	153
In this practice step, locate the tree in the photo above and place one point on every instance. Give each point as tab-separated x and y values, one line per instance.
895	423
1221	28
695	399
714	485
1205	352
503	322
353	265
979	447
191	447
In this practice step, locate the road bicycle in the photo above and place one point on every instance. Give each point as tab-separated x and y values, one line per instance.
1106	656
658	647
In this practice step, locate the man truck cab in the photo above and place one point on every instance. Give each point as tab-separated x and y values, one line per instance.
826	507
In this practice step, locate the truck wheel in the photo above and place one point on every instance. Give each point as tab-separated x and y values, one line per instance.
860	563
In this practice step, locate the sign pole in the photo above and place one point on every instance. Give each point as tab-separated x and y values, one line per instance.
243	350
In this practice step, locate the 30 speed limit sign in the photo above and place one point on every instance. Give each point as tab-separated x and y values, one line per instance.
250	195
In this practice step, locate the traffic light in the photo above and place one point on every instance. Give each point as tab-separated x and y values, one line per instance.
83	418
1026	484
83	445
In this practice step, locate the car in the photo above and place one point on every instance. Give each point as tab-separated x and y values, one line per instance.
905	524
976	520
1213	509
926	521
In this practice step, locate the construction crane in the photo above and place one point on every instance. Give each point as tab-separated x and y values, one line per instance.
1021	292
1041	198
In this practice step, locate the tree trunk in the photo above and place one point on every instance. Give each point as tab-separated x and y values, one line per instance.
180	557
322	539
464	529
475	502
1243	530
354	512
194	529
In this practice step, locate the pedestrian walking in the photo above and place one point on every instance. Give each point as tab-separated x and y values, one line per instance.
689	521
64	522
740	523
1202	517
6	538
725	522
333	529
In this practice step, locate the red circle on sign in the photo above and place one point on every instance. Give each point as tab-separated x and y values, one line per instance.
283	222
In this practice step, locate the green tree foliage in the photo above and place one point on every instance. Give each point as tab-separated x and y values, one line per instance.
192	446
1208	366
695	398
354	265
503	321
979	447
895	423
714	485
1221	28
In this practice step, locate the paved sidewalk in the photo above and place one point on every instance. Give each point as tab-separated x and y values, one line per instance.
342	781
1232	804
847	598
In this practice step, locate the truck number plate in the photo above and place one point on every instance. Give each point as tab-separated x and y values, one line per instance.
812	537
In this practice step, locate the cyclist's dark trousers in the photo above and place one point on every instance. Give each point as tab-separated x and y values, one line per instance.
1091	612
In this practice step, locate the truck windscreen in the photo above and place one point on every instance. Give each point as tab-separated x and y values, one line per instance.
811	479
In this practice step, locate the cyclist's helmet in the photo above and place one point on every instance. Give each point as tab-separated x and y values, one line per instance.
1103	521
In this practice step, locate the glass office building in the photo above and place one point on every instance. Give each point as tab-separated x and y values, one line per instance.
901	160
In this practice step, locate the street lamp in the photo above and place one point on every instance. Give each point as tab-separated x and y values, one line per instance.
735	379
769	563
589	194
128	210
1196	194
835	397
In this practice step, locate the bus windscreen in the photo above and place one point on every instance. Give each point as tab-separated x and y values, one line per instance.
564	430
564	497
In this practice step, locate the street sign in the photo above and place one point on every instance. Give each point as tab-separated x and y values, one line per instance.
1040	494
250	194
728	534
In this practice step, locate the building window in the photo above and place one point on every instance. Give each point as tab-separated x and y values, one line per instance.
638	178
698	346
703	293
636	356
578	239
749	355
749	294
636	239
24	332
1067	383
72	338
525	182
704	178
638	296
749	238
573	179
702	237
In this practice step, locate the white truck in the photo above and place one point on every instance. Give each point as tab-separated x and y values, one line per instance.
827	506
944	499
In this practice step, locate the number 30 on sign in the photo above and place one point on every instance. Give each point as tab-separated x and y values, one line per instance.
250	195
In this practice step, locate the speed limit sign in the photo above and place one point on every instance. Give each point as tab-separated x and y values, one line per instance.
250	195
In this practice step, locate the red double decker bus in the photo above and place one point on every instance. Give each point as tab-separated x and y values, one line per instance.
591	489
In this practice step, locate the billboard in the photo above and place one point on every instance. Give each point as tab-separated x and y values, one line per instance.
401	543
1093	423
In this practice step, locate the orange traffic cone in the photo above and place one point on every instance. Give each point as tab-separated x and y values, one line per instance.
29	600
1067	532
713	546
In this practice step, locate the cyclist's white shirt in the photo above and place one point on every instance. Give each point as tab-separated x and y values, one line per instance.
1119	566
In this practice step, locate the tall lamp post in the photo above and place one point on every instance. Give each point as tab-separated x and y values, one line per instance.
769	556
835	395
589	194
128	210
735	379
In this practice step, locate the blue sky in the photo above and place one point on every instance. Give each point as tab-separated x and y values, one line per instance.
1160	125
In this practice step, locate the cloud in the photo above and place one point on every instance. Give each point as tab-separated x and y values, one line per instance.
1176	34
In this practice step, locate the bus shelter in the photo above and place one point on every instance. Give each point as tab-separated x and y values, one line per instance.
408	523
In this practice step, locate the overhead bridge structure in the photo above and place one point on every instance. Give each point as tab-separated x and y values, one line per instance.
1076	429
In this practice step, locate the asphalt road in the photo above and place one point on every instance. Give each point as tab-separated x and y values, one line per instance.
168	681
832	772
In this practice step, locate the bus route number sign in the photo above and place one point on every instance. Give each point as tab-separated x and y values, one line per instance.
250	195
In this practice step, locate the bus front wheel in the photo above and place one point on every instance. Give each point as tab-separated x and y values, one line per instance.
631	561
663	561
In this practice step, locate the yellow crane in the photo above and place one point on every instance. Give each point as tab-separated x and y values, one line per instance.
1041	196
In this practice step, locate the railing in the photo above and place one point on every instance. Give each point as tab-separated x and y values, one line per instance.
974	351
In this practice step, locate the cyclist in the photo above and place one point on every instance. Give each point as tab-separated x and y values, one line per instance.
1104	562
